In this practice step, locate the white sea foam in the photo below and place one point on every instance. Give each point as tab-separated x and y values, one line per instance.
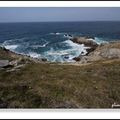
66	55
65	35
34	55
60	55
68	36
100	40
37	46
76	48
56	33
11	47
11	44
10	41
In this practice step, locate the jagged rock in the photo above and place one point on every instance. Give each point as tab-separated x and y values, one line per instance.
88	42
83	40
76	58
44	59
103	52
89	50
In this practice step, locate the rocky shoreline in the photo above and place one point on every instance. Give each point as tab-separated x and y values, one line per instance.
27	82
97	52
13	61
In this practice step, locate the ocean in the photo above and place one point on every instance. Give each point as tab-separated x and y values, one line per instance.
51	40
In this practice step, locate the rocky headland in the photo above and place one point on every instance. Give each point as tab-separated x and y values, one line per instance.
95	52
26	82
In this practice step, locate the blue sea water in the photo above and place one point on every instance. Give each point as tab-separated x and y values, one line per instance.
51	39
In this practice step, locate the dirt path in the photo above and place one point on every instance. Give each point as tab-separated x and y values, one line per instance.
75	64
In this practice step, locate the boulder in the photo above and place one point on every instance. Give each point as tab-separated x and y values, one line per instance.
4	63
77	59
44	59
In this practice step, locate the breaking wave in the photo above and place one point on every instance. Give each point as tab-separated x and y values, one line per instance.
100	40
61	49
34	55
39	46
66	55
11	47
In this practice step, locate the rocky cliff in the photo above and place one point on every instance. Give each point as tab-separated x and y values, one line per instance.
97	52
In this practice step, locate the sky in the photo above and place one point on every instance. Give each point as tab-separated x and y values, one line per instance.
45	14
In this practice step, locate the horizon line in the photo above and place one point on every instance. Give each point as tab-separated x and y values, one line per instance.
62	21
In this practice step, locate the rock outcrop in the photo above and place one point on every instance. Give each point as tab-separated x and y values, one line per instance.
97	52
86	41
103	52
12	61
4	63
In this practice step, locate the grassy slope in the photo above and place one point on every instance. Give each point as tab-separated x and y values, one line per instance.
45	85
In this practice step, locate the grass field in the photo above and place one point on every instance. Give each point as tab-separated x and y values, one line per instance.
45	85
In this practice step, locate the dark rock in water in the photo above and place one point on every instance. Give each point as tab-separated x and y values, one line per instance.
66	57
85	41
3	48
82	52
4	63
76	59
66	35
70	35
88	42
44	59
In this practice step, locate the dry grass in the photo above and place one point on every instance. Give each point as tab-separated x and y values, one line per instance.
51	86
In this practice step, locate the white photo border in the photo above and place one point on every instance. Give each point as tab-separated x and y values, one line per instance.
59	113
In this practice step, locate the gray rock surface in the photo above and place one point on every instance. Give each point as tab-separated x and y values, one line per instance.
103	52
87	42
4	63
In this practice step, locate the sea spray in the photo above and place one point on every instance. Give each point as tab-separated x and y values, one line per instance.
11	47
51	40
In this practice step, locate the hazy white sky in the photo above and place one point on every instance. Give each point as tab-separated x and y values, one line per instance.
58	14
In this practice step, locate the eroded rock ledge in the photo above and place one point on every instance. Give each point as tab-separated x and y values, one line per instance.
13	61
97	52
88	42
103	52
